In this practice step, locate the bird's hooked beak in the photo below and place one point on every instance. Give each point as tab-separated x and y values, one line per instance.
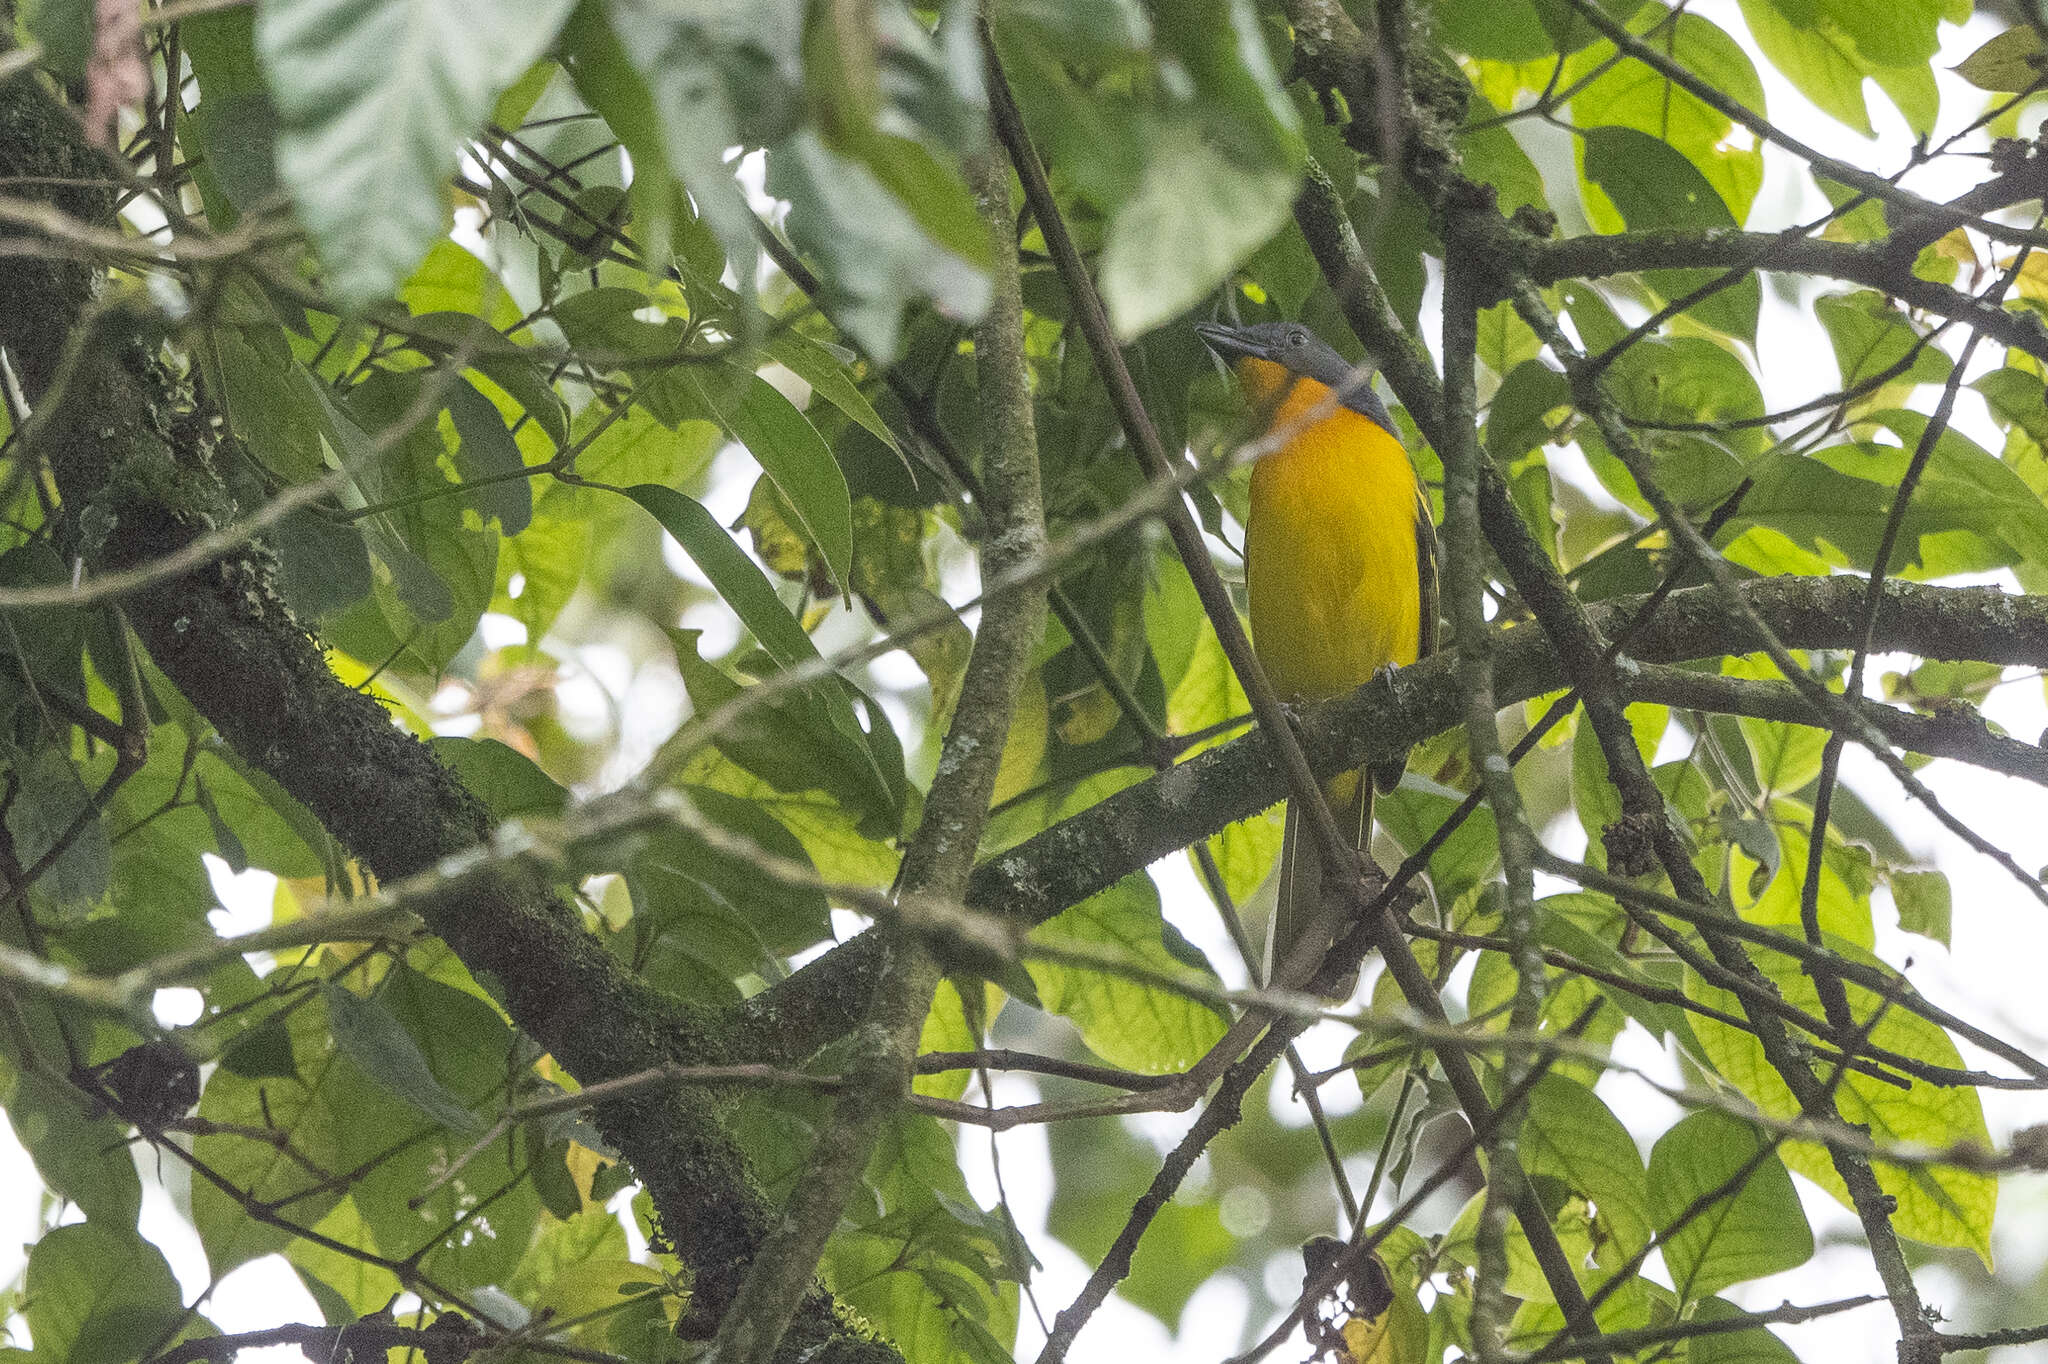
1231	344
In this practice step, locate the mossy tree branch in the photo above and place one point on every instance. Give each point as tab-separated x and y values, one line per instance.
133	467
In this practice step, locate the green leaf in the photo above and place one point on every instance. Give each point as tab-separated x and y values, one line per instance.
264	1052
933	192
48	641
503	778
1518	420
1630	95
726	910
1416	809
1569	1133
1940	1205
2008	63
374	98
487	456
233	127
714	77
1815	55
98	1295
738	579
828	378
1194	216
48	800
946	1029
63	29
798	739
1654	186
793	455
368	1034
522	379
443	568
872	256
82	1158
1245	852
876	784
926	1264
1923	902
1126	1023
1754	1346
1498	30
1755	1229
465	1051
1870	336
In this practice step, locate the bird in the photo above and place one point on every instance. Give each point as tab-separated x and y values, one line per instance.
1340	563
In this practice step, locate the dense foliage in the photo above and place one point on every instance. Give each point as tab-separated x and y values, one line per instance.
583	494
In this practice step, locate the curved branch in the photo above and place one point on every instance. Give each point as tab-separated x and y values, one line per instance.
1153	819
1872	264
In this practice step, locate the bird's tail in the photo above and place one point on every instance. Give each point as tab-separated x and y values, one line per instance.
1301	866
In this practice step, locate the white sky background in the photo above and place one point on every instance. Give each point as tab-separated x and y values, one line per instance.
1992	974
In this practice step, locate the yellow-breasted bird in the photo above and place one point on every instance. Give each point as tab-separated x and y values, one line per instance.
1340	560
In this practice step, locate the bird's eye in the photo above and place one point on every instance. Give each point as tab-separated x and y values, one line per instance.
1297	337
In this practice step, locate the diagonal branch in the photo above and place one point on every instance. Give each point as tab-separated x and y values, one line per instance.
941	854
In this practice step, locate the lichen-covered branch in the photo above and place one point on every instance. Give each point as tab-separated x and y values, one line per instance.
940	857
133	467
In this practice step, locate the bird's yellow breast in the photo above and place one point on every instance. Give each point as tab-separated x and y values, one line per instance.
1330	551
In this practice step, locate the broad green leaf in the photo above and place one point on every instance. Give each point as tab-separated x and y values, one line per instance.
1127	1023
373	101
233	127
523	380
307	1108
1518	419
873	257
1969	514
1631	95
927	1265
1587	927
1525	1276
1193	217
1904	33
1870	336
738	580
793	455
98	1295
1569	1133
1815	55
1654	186
1593	791
715	907
828	377
946	1029
81	1158
464	1051
1416	809
828	832
503	778
2008	63
715	77
1245	852
487	458
368	1034
1923	902
442	567
797	738
1503	32
1751	1230
51	814
1939	1205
